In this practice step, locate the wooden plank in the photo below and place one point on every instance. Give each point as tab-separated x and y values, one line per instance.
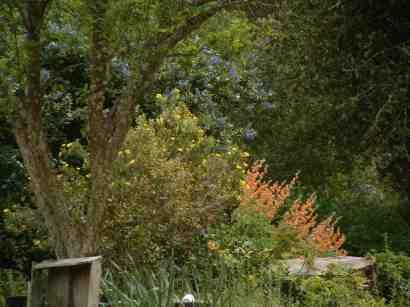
321	265
65	262
80	281
59	287
94	284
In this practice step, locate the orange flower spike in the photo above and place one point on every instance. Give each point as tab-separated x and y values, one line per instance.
267	197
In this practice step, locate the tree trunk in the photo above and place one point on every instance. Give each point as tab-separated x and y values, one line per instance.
32	141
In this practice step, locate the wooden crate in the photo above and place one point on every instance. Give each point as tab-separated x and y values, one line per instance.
66	283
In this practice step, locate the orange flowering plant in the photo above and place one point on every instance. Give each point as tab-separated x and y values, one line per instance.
266	198
268	225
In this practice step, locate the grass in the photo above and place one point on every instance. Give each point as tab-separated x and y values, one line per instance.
169	284
220	287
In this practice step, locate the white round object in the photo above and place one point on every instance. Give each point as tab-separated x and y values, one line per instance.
188	298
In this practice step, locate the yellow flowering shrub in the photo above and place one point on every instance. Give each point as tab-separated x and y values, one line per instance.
170	181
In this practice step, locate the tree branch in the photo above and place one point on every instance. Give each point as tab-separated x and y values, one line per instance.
97	133
120	119
98	75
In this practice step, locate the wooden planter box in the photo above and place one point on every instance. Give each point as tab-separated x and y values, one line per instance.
66	283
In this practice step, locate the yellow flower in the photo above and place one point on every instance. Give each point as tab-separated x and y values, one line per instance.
245	154
212	245
242	183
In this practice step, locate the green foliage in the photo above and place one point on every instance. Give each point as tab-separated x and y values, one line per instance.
251	244
170	283
223	287
138	288
12	283
337	73
308	90
169	183
337	288
20	237
393	277
368	209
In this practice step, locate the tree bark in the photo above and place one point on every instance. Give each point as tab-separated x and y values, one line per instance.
32	140
97	135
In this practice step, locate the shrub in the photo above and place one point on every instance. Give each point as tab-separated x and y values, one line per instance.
368	208
337	288
163	287
393	277
170	182
268	197
251	245
259	234
12	283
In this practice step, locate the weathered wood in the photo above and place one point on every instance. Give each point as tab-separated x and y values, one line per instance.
59	287
321	265
69	283
66	262
80	285
94	284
